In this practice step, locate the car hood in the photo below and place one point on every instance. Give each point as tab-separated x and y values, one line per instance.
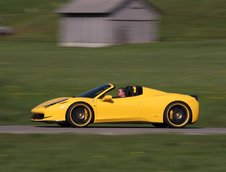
53	101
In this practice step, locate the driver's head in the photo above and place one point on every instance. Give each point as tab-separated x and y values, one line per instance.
121	92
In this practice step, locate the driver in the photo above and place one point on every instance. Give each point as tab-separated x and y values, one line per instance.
121	92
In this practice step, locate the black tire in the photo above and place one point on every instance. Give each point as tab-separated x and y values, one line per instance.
177	114
64	124
79	115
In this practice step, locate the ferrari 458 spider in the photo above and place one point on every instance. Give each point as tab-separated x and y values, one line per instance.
141	104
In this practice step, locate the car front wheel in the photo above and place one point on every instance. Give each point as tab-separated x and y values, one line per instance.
79	115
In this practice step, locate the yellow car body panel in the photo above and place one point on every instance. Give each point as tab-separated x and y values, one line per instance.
149	106
119	109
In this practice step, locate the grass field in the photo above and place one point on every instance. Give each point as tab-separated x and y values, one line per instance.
189	59
32	72
161	153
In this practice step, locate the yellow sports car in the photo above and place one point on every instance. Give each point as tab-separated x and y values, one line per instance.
140	104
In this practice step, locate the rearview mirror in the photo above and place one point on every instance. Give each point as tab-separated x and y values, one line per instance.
107	98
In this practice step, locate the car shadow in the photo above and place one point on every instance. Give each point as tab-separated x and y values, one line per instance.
120	126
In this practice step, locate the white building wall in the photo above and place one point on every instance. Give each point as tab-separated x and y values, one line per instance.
87	31
135	23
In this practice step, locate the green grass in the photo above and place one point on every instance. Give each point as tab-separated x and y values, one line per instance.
31	20
32	72
168	153
193	19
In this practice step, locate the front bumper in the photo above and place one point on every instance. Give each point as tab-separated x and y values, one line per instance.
52	110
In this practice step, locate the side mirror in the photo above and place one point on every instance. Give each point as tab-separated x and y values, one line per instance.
107	98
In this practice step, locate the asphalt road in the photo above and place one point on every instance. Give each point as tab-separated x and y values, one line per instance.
109	130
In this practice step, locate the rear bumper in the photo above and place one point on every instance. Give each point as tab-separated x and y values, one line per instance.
195	108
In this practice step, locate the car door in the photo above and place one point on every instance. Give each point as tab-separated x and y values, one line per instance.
118	109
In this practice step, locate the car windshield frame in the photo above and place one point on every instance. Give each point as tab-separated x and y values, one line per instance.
92	93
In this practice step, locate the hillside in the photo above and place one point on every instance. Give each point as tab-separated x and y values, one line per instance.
181	19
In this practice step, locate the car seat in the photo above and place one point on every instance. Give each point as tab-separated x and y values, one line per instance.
129	91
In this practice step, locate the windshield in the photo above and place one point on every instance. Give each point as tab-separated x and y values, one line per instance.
94	92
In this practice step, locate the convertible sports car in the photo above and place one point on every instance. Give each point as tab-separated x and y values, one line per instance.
141	104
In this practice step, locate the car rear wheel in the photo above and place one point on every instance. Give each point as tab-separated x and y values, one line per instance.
177	114
79	115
